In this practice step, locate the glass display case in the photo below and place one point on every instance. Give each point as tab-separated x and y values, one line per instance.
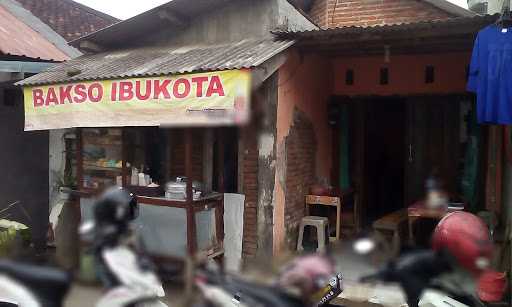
118	156
101	157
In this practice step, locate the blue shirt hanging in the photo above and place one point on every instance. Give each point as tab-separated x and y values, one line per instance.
490	75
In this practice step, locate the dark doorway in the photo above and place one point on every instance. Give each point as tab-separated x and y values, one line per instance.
384	156
25	158
433	144
228	139
395	143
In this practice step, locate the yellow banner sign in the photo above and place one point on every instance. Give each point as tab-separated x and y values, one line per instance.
203	99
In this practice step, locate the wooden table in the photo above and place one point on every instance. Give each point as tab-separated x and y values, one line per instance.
394	223
327	201
420	211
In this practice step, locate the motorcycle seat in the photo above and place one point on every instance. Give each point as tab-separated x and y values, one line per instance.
49	284
269	296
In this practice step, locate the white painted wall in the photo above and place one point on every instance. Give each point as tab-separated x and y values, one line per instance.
235	21
5	76
495	6
56	163
291	19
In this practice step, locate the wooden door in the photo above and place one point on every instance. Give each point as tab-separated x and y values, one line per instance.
433	143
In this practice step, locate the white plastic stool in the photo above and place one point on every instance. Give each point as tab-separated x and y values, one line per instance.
322	229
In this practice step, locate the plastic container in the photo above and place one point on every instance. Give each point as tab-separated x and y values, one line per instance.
492	286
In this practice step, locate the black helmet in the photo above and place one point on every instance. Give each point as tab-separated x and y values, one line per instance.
115	206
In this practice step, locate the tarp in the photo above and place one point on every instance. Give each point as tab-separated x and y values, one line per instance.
233	230
202	99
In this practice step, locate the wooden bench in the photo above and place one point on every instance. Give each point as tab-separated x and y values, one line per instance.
394	223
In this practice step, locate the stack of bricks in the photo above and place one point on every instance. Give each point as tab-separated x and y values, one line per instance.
368	13
300	173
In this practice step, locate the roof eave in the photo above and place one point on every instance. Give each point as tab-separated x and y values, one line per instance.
40	27
147	21
220	59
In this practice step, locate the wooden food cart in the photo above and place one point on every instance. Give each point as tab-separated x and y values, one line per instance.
170	228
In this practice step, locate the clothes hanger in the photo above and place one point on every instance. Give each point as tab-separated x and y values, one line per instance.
505	20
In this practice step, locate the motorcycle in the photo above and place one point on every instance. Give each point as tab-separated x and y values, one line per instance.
445	275
129	279
27	285
418	274
220	289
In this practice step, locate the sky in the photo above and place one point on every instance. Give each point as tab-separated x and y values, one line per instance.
124	9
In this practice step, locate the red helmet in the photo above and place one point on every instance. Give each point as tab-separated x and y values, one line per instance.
467	238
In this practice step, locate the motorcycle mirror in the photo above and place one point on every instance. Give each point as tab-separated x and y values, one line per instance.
364	246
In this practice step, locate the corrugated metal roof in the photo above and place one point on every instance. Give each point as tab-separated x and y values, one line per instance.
148	21
462	23
452	35
141	62
18	38
182	12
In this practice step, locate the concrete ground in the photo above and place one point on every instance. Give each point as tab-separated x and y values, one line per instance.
354	266
350	264
86	296
83	296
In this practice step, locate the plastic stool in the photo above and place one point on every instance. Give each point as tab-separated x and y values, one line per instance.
322	230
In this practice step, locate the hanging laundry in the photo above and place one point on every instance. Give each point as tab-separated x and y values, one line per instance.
490	75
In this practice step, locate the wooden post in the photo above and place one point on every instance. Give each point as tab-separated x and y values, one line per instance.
220	159
191	221
207	160
124	155
220	210
79	160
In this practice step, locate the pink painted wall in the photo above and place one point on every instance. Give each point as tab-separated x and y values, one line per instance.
305	84
406	74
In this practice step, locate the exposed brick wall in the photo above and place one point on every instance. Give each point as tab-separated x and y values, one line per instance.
342	13
300	173
250	190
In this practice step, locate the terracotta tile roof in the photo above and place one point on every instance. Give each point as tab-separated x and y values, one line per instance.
19	39
68	18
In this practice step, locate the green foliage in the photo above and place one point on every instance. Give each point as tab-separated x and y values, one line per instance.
11	239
